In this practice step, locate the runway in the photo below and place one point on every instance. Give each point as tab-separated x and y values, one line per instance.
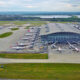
53	58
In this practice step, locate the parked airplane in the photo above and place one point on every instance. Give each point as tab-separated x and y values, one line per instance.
18	48
53	45
26	38
71	46
22	44
28	34
60	49
76	49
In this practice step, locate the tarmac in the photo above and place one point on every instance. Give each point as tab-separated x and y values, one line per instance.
53	58
8	42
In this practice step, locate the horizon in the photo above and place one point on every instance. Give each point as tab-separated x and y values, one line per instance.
43	11
37	13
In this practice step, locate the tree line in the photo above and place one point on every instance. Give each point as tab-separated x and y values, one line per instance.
21	18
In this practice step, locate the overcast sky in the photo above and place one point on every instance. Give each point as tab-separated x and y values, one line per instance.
40	5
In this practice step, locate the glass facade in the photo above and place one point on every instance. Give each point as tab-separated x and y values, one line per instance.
61	37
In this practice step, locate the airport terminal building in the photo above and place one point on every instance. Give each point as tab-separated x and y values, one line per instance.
60	32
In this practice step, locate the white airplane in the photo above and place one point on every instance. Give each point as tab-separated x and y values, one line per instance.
60	49
28	34
76	26
76	49
18	48
26	38
71	46
53	45
22	44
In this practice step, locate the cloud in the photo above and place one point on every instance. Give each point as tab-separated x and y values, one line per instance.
27	0
2	3
30	6
6	3
40	5
75	5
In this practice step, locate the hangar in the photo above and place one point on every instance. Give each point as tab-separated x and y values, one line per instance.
60	32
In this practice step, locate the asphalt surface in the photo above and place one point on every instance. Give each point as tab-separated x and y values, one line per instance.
4	30
67	56
8	42
52	59
58	27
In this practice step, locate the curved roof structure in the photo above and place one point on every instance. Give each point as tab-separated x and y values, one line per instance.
58	27
61	37
65	33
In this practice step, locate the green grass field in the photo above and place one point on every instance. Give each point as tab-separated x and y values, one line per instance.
13	29
5	34
41	71
14	22
24	56
33	23
27	27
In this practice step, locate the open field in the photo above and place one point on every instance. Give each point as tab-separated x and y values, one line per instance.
38	23
5	34
13	29
27	27
24	56
33	23
41	71
12	22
